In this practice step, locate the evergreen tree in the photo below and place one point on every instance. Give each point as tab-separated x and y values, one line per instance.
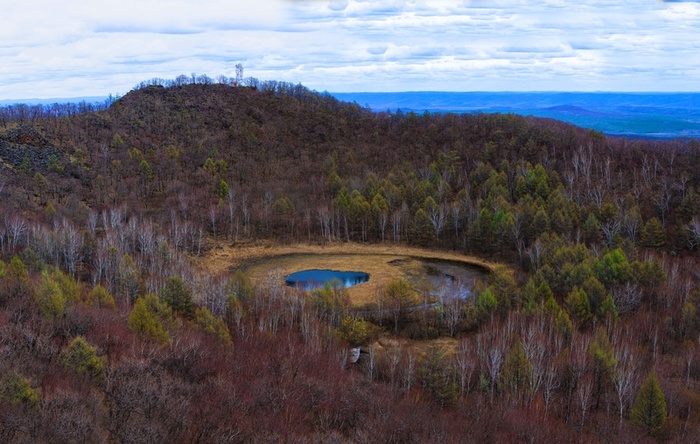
653	234
517	370
17	389
578	306
649	410
82	357
177	296
603	361
148	316
437	376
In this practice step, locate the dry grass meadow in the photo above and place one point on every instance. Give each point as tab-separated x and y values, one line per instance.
383	262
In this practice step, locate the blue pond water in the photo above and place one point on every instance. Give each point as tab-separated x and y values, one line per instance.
312	279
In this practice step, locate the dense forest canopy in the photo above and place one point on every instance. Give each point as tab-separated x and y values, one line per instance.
590	330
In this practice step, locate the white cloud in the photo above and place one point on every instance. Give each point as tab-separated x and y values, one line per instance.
74	47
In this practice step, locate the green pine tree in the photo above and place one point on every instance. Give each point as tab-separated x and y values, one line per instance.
82	357
177	296
649	410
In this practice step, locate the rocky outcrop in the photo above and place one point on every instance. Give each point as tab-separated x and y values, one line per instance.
26	143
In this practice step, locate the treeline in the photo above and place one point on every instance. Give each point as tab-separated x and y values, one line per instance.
595	312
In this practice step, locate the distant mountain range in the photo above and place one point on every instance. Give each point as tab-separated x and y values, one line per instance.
647	115
90	99
634	115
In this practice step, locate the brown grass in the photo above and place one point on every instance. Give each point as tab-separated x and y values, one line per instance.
383	262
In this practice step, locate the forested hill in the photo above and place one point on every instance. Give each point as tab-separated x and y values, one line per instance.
158	146
112	330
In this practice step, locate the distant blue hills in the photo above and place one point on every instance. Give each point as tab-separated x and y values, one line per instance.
633	115
88	99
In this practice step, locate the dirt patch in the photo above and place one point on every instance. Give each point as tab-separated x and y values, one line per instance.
383	262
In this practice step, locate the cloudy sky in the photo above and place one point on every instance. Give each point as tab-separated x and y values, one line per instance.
51	49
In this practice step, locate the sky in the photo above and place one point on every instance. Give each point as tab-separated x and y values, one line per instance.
73	48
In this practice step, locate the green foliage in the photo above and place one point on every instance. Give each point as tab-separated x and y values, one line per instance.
68	285
217	168
653	234
50	298
32	260
282	206
148	318
129	278
177	296
331	301
517	370
400	293
551	307
649	274
42	186
239	290
591	229
357	331
3	269
649	409
563	326
530	296
212	325
334	183
567	267
596	292
607	311
240	286
422	230
26	165
82	357
486	303
222	189
436	376
603	359
505	290
578	306
100	297
612	268
16	270
17	389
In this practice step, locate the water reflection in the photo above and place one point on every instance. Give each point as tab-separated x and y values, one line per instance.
313	279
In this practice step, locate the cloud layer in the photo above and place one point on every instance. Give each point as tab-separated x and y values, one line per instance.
76	48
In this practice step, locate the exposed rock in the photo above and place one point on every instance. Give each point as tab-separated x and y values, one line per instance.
26	143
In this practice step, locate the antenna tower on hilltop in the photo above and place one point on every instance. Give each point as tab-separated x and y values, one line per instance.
239	73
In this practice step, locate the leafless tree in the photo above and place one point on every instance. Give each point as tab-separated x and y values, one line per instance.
626	297
490	350
550	384
396	225
324	219
693	230
245	209
383	221
15	228
624	376
610	228
71	243
437	215
466	364
584	394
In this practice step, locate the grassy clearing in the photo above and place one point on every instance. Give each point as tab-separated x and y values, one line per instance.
383	262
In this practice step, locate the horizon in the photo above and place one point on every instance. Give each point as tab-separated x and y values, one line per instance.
657	115
99	98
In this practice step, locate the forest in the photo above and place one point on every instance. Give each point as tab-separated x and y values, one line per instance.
112	331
